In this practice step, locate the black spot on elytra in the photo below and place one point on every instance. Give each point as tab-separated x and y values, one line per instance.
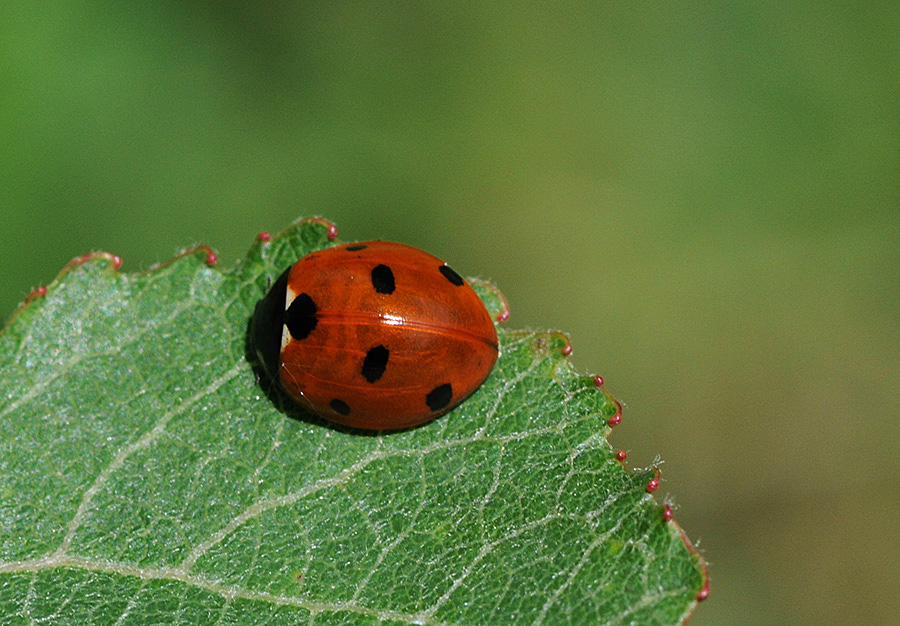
375	363
439	397
355	248
452	276
300	317
383	279
340	407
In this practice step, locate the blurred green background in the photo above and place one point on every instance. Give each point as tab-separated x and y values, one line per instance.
704	196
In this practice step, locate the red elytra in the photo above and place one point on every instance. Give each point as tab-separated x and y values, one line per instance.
382	336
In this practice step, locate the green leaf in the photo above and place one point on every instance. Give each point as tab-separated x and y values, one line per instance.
148	475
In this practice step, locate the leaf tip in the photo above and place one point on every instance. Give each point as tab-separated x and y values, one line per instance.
704	591
703	594
331	229
211	257
551	343
40	292
667	513
567	349
496	303
653	483
115	261
616	419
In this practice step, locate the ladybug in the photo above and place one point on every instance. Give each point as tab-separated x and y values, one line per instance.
381	336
